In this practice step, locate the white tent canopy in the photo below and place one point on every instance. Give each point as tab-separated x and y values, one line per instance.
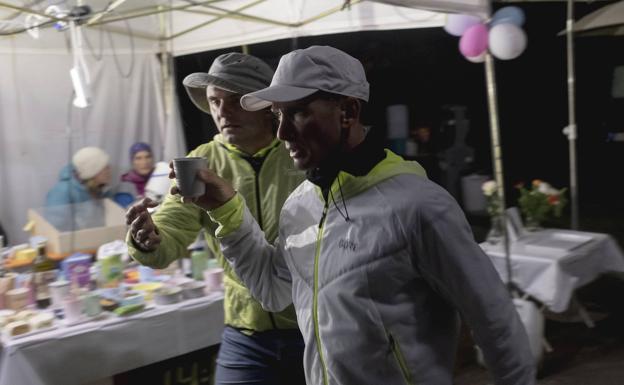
39	127
195	26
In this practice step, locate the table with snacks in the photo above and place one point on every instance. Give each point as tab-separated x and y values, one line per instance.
86	318
95	348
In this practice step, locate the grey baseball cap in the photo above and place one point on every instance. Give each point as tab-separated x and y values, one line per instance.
234	72
302	72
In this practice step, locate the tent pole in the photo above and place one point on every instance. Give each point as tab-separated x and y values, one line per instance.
571	130
497	159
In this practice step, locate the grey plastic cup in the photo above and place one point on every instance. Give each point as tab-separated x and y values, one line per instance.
186	176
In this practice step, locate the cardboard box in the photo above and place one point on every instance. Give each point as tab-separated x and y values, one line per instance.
94	223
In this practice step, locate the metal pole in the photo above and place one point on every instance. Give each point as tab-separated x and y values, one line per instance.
571	130
497	158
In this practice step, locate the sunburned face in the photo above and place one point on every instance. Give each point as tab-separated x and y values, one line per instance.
310	128
248	130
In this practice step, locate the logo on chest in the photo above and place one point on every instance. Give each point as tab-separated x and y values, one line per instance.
347	245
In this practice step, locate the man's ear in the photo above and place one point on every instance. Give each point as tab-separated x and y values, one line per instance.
271	119
350	111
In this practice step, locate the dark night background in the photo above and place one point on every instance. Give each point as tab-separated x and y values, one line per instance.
424	69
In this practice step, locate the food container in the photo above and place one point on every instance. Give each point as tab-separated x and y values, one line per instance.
58	291
168	295
92	305
15	328
146	274
6	283
76	269
214	279
131	298
110	273
193	289
108	304
147	288
17	299
104	221
41	321
6	316
72	308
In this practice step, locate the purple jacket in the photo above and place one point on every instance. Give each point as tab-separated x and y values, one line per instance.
139	181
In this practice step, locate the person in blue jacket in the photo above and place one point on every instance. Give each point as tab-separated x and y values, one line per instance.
73	203
86	177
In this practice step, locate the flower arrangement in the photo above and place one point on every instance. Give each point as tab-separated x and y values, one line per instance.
494	207
540	201
490	189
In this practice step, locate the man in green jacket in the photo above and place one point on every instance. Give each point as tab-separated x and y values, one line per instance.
378	260
257	347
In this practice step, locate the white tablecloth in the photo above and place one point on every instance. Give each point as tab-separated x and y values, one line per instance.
550	275
94	350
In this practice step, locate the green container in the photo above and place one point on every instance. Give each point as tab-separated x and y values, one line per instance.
111	271
199	263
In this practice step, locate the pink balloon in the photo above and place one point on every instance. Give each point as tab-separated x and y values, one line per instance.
457	24
474	41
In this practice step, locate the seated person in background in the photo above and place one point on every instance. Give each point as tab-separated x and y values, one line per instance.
142	167
85	178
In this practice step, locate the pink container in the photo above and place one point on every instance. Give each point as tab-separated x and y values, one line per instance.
214	279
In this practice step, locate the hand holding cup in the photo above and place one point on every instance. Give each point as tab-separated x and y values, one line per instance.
215	190
185	170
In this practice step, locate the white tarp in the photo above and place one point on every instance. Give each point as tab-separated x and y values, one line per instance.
36	89
39	130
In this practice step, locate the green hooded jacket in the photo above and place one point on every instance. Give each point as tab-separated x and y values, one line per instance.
264	189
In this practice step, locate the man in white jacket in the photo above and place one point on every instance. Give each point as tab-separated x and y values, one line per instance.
378	261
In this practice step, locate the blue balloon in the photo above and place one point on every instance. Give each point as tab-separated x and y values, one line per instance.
508	15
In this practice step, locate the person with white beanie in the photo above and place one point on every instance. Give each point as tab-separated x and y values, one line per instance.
85	178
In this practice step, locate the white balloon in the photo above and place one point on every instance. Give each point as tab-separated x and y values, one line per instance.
507	41
457	24
476	59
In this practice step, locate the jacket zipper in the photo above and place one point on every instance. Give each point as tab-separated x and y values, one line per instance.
256	165
258	200
259	214
398	356
315	293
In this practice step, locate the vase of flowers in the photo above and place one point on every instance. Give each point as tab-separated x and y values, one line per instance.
494	207
539	202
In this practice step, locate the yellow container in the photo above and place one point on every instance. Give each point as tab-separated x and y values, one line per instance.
148	289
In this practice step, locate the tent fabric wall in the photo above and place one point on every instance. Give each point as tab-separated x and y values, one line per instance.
36	115
35	97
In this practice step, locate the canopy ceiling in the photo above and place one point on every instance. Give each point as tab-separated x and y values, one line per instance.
195	26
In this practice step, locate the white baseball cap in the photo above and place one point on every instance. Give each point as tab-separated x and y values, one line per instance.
302	72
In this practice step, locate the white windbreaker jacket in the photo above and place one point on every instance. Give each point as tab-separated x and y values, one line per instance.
377	295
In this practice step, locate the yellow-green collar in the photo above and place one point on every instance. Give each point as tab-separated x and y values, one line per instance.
390	166
259	154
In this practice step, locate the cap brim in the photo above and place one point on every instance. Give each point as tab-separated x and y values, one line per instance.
196	83
261	99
